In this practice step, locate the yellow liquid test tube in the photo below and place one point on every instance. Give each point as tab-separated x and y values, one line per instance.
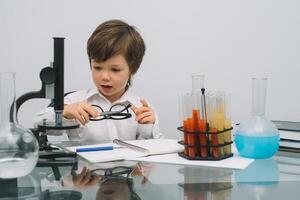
227	136
227	123
219	124
220	117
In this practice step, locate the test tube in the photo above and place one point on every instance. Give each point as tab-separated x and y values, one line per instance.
202	126
199	117
227	123
193	138
190	113
213	136
197	83
196	102
184	114
219	118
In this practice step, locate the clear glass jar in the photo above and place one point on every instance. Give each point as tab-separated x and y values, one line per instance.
18	147
257	137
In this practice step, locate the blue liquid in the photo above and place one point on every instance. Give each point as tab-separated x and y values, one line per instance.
256	147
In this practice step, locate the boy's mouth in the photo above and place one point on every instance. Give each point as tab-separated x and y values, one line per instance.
106	88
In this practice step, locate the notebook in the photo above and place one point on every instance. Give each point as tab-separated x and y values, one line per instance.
288	130
125	150
287	125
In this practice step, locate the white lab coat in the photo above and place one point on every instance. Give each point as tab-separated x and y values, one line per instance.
108	129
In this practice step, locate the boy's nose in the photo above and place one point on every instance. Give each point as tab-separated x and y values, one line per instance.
106	76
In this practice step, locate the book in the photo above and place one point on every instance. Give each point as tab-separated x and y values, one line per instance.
290	146
124	150
288	130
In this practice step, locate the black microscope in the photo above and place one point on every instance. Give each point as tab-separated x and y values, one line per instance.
52	78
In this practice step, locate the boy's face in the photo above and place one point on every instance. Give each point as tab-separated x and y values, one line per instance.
111	76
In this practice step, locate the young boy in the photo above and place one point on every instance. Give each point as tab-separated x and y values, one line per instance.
115	50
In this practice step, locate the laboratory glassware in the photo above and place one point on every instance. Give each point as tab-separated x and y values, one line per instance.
18	146
257	137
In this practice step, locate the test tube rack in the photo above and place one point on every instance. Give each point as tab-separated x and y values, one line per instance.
210	149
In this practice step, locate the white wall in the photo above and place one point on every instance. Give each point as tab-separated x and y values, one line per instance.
228	41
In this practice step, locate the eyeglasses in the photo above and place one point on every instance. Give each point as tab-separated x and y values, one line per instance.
113	172
117	111
117	175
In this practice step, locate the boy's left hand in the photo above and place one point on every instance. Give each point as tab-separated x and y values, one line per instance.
144	114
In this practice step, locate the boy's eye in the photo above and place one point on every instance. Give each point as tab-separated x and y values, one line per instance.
116	69
97	68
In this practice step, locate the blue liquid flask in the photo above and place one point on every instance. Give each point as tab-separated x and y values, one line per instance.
257	137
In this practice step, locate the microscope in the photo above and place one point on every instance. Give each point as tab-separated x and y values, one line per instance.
52	78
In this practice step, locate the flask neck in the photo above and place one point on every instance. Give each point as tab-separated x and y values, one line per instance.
259	87
7	97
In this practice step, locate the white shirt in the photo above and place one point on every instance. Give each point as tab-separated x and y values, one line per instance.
107	129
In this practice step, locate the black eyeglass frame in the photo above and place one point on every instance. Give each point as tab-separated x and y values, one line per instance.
110	175
109	172
115	115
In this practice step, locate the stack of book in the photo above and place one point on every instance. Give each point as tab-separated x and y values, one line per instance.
289	135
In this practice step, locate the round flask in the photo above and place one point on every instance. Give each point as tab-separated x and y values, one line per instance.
18	147
257	137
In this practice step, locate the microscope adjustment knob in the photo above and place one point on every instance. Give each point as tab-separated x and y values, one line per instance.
48	75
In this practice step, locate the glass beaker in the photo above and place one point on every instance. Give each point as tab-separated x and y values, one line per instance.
18	147
257	137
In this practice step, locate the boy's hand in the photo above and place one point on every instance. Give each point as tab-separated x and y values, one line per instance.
142	170
144	114
85	178
80	111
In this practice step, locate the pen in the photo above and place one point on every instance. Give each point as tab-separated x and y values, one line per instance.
89	149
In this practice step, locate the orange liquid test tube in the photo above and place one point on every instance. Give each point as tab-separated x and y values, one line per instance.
214	141
196	118
185	136
202	138
191	138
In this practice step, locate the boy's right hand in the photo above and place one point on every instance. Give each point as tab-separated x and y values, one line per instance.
80	111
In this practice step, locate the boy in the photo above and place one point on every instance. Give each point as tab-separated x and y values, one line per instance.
115	50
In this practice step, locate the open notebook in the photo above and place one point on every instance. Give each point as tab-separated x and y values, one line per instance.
129	149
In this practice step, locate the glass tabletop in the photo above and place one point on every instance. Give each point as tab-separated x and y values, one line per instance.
276	178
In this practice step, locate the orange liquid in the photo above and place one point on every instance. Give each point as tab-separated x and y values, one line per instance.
196	118
202	138
185	136
191	138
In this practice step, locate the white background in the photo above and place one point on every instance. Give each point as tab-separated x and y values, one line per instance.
228	41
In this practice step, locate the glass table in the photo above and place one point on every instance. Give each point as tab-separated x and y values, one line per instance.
276	178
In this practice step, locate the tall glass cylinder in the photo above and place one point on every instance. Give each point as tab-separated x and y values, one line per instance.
259	89
197	83
18	146
257	137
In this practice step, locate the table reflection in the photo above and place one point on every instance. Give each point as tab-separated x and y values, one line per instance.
259	179
206	183
111	183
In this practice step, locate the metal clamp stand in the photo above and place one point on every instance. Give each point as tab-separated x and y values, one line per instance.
52	79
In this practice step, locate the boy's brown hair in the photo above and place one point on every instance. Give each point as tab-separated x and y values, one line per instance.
116	37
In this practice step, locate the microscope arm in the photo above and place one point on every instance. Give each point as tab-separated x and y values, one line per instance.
30	95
